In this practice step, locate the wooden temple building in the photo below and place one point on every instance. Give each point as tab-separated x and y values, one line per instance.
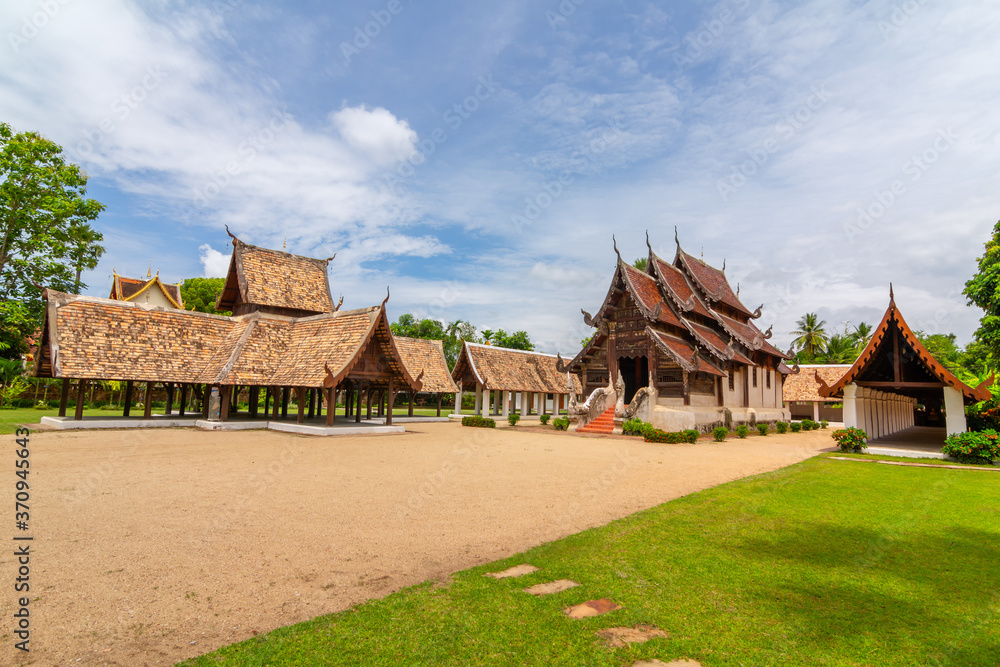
894	375
676	347
285	335
151	291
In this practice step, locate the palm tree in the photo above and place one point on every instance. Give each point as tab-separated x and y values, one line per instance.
839	350
861	334
641	263
487	334
811	336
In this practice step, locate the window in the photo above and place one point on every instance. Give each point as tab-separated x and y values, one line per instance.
768	371
732	379
755	378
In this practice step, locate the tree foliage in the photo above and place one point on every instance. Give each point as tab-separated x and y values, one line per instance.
200	294
16	325
45	235
641	263
983	290
811	336
518	340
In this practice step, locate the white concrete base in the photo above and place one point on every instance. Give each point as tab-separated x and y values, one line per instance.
68	423
304	429
908	453
396	419
207	425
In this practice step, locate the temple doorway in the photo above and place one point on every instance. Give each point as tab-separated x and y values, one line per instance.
635	373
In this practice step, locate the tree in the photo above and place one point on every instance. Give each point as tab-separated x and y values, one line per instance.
518	340
455	334
201	294
488	335
983	290
410	327
45	238
811	335
641	263
861	335
840	349
16	325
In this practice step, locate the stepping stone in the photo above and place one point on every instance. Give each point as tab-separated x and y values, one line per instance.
672	663
557	586
516	571
618	637
591	608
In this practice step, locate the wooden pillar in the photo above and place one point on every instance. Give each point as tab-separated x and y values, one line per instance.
285	395
253	397
381	403
147	401
440	396
390	399
63	397
331	405
81	393
348	400
409	411
300	400
183	401
369	395
128	399
225	399
276	403
170	399
312	403
206	397
357	413
234	400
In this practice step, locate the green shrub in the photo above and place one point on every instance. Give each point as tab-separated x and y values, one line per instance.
977	447
669	437
796	427
851	439
691	435
720	433
742	430
809	425
824	424
478	422
544	419
561	424
782	427
512	419
762	429
633	427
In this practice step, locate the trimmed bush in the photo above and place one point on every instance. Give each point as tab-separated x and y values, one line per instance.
691	435
851	439
824	424
742	430
782	427
762	429
809	425
561	424
478	422
512	419
978	448
720	433
544	419
669	437
796	427
633	427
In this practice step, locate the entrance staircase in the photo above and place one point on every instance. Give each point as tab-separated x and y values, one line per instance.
604	424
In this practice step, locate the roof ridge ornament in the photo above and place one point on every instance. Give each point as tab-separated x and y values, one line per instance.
386	299
588	319
330	259
615	244
560	364
756	314
647	243
677	239
891	296
769	332
231	234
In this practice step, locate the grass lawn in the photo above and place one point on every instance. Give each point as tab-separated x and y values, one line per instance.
9	419
822	563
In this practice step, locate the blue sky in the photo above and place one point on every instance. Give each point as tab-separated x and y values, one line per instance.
477	158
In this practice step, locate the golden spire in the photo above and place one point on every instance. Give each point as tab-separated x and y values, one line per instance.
149	271
284	243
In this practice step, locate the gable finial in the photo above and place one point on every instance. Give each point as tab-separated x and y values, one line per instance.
615	244
284	243
647	243
891	297
723	264
330	259
386	299
233	236
737	289
149	271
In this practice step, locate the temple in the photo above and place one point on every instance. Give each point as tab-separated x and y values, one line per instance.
676	347
150	291
893	377
285	335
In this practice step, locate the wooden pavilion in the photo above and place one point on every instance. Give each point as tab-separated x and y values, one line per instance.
285	335
676	347
426	356
893	376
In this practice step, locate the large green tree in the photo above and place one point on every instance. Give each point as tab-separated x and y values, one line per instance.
811	337
983	290
201	294
45	236
518	340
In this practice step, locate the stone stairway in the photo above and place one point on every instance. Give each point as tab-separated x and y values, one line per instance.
605	423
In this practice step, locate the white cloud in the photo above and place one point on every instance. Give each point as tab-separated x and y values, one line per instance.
376	134
214	263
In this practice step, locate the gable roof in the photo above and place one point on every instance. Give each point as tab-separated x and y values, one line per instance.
805	385
676	285
712	281
427	356
892	322
130	289
505	369
276	279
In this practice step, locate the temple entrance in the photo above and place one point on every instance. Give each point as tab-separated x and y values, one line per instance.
635	373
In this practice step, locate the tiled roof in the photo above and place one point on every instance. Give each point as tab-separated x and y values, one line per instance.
804	386
712	281
647	292
118	340
278	279
127	289
935	367
500	368
749	335
682	352
673	279
717	344
427	356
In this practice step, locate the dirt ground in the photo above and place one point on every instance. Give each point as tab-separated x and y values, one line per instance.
155	546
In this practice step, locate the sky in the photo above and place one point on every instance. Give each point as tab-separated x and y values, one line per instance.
476	158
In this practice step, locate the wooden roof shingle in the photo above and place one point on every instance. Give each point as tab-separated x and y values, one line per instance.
504	369
426	356
276	279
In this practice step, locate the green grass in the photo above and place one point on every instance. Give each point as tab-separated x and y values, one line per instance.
822	563
9	419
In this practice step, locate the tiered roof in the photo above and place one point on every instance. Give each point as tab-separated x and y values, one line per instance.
504	369
130	289
427	357
805	385
692	314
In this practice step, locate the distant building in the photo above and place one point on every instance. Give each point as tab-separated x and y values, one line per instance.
151	291
802	397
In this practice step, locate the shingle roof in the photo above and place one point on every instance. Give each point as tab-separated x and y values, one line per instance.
427	356
278	279
677	286
749	335
501	368
105	339
712	281
804	387
127	289
682	352
647	293
717	344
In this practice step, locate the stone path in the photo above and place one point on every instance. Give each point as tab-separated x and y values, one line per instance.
613	637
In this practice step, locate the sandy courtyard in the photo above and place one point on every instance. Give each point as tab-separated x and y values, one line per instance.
155	546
